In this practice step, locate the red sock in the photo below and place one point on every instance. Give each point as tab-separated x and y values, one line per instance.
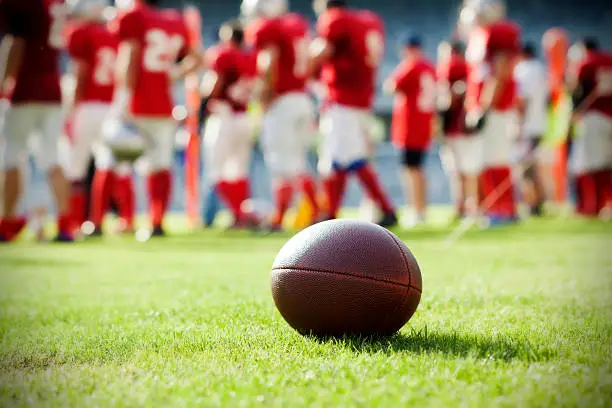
370	182
159	185
588	194
506	204
78	202
309	189
227	191
10	227
607	183
65	224
283	194
243	192
498	202
123	193
334	187
603	185
100	195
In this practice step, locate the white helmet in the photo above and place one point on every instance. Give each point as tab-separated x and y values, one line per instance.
265	8
87	9
476	12
124	140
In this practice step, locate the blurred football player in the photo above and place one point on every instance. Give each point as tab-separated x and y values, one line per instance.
462	152
591	159
281	40
228	131
151	40
93	49
348	50
31	80
493	46
530	76
413	83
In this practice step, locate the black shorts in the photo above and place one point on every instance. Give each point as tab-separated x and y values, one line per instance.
412	158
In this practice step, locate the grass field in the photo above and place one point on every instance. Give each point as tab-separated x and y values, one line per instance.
514	317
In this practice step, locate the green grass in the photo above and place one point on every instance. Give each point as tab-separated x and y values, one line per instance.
515	317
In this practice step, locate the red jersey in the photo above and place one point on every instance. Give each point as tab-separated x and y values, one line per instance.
237	68
595	74
357	38
95	45
453	73
39	23
484	44
289	36
415	104
162	37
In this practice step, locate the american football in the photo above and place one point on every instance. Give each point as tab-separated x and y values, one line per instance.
346	277
305	203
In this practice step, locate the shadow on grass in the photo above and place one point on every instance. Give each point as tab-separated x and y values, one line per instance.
447	343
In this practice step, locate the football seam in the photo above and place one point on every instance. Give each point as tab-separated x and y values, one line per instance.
295	268
403	257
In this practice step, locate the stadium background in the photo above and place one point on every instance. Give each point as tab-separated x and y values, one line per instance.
431	19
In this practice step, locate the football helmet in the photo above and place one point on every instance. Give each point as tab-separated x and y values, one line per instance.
124	140
477	12
263	8
87	9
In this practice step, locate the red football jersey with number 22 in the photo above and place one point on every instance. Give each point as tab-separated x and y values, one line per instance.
162	37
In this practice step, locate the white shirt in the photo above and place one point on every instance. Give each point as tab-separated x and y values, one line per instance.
530	76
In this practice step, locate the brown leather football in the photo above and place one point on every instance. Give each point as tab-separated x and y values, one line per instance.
346	277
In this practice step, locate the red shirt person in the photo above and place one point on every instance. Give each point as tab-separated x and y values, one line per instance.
281	41
591	159
461	153
414	84
493	47
348	51
228	86
151	41
93	50
31	80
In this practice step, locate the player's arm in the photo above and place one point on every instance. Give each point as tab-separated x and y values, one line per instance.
126	73
213	80
319	52
502	71
191	62
399	82
267	64
15	24
11	54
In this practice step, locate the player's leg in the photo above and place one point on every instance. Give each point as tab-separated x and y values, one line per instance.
334	176
304	131
449	160
49	162
470	167
219	141
278	141
414	182
20	122
603	161
243	131
160	132
498	190
354	158
124	196
590	158
85	126
102	186
533	188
